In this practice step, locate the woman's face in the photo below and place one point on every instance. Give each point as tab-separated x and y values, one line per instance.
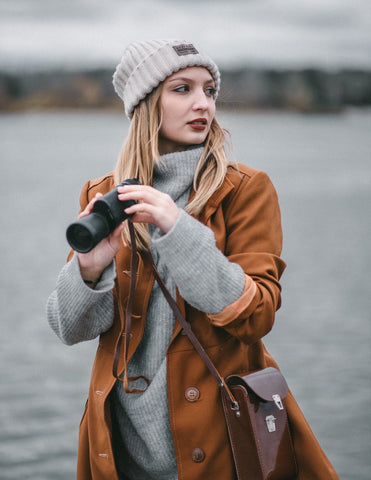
188	108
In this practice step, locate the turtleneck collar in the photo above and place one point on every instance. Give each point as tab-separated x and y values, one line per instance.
174	174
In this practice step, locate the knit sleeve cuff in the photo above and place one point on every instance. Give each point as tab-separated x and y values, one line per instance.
76	312
105	283
161	240
231	312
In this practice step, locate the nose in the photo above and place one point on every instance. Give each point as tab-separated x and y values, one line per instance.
200	100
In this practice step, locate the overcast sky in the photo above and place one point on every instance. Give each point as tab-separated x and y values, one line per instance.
279	33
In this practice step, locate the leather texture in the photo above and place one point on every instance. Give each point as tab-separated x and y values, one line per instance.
258	430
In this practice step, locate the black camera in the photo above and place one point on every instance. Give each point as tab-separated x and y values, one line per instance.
108	212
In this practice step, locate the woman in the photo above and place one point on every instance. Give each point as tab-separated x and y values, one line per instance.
213	229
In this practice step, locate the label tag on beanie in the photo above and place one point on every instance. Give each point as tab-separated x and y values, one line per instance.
185	49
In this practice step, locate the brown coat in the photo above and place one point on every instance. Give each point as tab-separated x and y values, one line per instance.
245	218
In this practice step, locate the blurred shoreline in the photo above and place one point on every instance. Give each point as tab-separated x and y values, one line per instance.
307	90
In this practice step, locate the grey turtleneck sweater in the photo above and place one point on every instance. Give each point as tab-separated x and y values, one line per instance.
142	438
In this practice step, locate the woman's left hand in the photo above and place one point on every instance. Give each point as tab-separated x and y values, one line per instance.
154	206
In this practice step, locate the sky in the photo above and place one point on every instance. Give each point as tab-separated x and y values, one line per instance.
47	34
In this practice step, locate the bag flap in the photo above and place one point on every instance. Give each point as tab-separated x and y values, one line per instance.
264	383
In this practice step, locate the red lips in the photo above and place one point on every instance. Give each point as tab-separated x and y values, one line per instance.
198	123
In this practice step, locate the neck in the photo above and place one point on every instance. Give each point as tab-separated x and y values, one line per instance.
165	147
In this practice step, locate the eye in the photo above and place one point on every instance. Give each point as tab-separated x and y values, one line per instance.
211	91
181	88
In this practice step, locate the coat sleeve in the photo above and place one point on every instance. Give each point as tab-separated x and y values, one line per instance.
254	241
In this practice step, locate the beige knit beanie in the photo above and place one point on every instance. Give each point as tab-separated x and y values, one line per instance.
146	64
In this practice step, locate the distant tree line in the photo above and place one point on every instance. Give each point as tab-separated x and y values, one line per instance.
302	90
307	90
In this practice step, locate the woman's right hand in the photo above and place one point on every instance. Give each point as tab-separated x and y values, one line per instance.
94	262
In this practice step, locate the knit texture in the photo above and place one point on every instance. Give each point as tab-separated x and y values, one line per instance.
76	312
144	65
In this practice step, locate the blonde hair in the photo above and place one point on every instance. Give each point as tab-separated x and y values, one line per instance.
140	153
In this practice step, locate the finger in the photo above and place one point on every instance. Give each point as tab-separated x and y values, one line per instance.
133	188
137	194
90	205
145	208
164	218
142	217
151	196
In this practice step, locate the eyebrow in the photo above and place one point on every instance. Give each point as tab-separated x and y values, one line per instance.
187	79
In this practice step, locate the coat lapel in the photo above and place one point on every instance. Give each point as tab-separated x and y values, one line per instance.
214	201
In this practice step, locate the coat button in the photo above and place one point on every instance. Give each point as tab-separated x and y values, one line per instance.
198	455
192	394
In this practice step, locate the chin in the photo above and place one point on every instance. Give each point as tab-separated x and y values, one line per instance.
197	139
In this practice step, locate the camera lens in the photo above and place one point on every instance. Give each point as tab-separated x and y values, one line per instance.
87	232
81	237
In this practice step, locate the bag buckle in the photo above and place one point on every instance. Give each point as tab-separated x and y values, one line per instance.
236	408
277	400
270	421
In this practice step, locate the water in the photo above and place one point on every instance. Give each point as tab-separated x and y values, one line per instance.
321	167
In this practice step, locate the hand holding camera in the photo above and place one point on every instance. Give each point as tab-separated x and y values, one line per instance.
107	213
96	235
150	206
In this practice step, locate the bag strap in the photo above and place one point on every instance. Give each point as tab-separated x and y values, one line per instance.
178	314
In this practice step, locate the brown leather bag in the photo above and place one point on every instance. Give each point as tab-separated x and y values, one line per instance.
254	403
258	427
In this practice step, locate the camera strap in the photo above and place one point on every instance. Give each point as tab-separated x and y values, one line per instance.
126	333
